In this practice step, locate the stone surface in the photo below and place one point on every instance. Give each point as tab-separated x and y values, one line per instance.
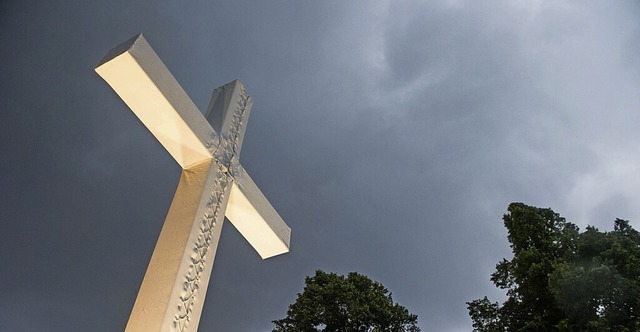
213	184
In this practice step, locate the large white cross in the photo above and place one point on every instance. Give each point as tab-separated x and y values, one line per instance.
213	185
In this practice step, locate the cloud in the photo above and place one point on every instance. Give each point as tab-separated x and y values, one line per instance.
391	138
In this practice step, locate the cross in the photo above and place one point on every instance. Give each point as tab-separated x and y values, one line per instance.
212	185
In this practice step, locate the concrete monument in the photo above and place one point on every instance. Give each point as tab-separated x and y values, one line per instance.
213	185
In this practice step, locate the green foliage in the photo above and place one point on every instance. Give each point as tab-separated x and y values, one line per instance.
485	315
562	280
332	302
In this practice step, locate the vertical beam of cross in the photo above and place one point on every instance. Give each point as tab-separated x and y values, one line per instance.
213	184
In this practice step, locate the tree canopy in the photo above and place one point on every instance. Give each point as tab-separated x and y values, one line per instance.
562	280
332	302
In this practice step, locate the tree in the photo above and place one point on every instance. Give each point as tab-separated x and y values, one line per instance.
562	280
332	302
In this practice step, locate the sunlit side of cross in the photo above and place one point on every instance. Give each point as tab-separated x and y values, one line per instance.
213	185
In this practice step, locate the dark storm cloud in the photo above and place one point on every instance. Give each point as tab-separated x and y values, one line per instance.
390	138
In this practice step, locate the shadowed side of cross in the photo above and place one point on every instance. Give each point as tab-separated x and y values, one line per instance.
213	184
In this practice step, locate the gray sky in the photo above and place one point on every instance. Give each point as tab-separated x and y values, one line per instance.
390	136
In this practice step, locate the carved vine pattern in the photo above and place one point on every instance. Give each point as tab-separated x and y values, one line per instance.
225	151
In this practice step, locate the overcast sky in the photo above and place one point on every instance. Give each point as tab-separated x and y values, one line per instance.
390	136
